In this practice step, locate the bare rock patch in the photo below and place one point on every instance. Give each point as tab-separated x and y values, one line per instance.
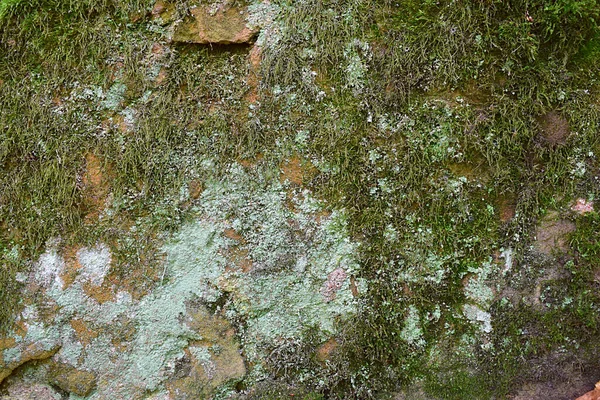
554	129
225	25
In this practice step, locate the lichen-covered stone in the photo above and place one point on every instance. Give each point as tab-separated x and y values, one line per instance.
14	357
284	265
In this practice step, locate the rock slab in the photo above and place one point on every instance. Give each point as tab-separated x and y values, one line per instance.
226	25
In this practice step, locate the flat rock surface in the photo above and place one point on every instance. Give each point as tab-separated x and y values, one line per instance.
226	25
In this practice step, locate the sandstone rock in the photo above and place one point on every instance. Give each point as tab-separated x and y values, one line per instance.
326	350
551	234
225	26
554	129
292	171
73	380
16	356
29	391
592	395
163	12
95	187
507	206
255	58
210	362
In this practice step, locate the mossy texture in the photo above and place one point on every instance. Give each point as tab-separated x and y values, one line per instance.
380	198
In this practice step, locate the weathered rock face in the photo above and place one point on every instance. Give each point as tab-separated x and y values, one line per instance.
224	24
209	362
30	391
552	233
229	199
72	380
281	268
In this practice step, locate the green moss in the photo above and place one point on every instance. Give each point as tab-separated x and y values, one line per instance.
421	119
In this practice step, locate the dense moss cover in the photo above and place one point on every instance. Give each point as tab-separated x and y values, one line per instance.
426	121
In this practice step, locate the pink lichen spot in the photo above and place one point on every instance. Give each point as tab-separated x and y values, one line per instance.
334	282
582	206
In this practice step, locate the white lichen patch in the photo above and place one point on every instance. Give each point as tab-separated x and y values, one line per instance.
507	255
12	355
412	332
478	287
48	268
95	262
479	317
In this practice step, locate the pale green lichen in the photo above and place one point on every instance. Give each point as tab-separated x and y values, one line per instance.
293	253
477	288
263	15
292	256
412	332
479	317
358	54
202	354
95	262
114	97
12	355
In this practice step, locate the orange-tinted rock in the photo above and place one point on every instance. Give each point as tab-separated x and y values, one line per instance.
7	343
292	171
72	266
210	362
163	12
354	287
28	353
96	187
325	351
507	207
225	26
591	395
253	79
101	294
83	332
73	380
195	188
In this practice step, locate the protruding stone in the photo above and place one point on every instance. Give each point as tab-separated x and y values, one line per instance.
17	356
73	380
163	12
225	26
210	362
